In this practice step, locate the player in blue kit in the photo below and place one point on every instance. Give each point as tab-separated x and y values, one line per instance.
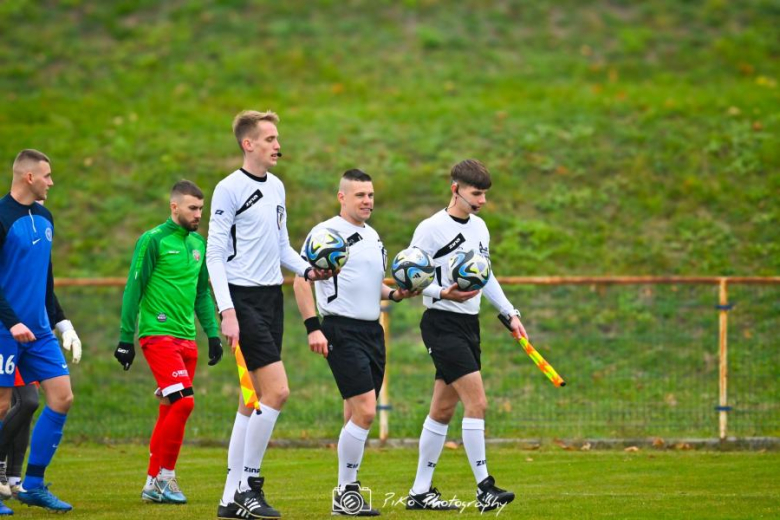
26	300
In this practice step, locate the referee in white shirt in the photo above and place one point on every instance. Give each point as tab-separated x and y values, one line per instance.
247	246
450	331
350	336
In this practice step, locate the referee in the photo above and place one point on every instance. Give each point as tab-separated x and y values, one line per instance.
247	246
450	331
350	336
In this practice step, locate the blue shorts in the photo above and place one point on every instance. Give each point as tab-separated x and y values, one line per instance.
38	360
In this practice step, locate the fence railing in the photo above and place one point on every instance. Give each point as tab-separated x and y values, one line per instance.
641	354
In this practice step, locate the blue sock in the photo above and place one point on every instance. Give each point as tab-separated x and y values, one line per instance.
45	439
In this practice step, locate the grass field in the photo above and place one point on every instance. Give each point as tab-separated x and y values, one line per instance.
105	482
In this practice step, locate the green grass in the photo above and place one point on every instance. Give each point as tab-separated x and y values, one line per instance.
661	116
105	482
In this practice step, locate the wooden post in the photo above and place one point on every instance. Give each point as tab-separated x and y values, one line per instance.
723	358
383	406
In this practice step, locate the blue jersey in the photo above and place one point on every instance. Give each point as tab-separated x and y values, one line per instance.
26	281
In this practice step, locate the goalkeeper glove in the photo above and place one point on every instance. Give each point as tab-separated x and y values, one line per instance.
125	354
215	351
70	340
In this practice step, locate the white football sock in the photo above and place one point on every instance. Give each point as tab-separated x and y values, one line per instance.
167	474
235	458
474	442
431	443
352	442
258	433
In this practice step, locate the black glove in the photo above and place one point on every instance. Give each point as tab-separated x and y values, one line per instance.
125	354
215	351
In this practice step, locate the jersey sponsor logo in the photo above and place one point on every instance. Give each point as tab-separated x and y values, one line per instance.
279	216
180	373
354	239
162	318
48	234
196	255
172	252
454	244
251	201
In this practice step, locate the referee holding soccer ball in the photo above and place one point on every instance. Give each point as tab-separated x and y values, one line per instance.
350	336
450	331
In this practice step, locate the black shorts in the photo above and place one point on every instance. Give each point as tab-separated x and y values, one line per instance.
260	313
452	340
356	354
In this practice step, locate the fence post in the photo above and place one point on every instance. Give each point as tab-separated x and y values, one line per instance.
383	406
723	407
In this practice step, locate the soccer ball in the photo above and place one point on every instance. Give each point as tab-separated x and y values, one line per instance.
470	270
413	269
325	249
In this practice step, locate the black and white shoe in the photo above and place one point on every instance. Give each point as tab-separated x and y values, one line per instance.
490	497
231	512
349	502
431	501
252	501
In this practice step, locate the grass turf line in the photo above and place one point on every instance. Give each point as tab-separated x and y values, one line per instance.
105	483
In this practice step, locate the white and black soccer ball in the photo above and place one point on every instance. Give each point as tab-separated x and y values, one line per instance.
326	249
413	269
470	270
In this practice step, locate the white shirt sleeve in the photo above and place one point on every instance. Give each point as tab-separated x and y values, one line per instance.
421	239
495	295
223	212
289	259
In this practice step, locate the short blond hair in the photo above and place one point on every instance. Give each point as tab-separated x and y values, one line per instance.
28	158
245	123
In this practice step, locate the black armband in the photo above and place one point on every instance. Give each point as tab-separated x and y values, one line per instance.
312	324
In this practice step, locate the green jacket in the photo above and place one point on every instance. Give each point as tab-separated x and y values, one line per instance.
167	281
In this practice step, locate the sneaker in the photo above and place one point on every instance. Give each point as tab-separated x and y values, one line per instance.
5	510
350	502
5	489
490	497
230	512
170	491
430	500
151	493
252	501
42	497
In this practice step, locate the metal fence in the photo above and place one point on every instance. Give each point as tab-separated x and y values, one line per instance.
642	357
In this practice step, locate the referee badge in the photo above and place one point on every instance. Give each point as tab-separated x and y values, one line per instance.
279	216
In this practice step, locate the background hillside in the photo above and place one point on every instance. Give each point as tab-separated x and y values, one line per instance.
623	137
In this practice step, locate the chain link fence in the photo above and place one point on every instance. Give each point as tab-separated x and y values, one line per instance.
639	361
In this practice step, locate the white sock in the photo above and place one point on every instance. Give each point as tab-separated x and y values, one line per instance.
474	442
258	433
431	443
149	481
167	474
14	481
235	458
352	443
